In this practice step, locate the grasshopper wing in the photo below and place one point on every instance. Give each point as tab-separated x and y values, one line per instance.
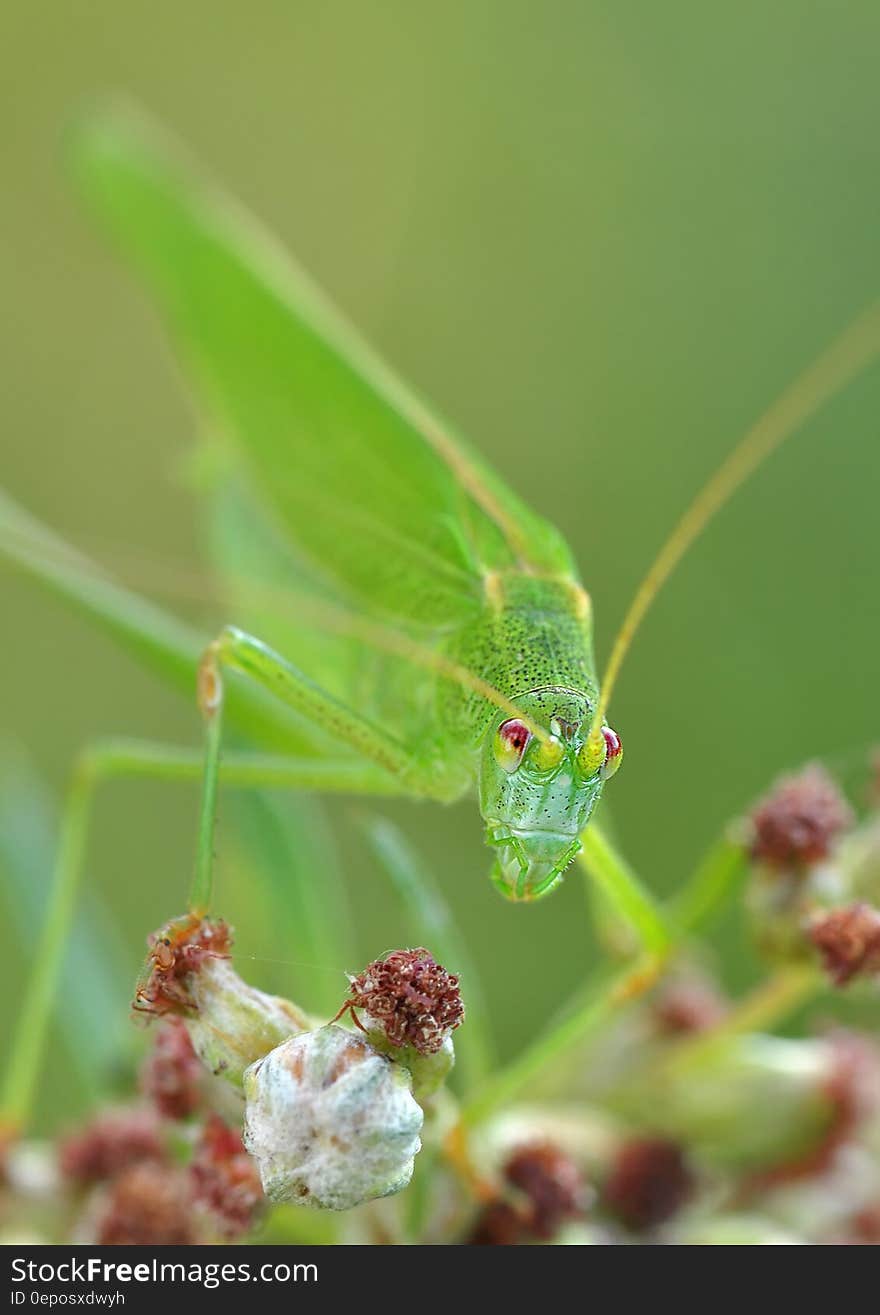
401	517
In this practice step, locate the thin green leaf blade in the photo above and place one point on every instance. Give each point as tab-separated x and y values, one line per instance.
163	644
288	847
93	1020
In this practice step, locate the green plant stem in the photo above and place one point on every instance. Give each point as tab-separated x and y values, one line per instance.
711	883
661	938
202	889
624	891
614	992
763	1009
32	1025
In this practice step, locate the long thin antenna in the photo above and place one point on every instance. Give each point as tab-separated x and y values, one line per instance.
845	358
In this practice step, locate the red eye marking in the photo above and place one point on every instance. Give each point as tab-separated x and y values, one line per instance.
511	741
515	733
613	752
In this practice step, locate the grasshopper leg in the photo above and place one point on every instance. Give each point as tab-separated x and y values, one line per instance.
235	650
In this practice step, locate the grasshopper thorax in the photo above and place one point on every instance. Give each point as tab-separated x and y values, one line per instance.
540	779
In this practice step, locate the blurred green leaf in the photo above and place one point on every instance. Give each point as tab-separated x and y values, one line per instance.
289	846
93	1018
165	645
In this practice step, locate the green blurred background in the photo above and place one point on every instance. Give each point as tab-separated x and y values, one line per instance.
603	236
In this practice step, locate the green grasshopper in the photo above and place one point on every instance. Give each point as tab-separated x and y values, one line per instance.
437	638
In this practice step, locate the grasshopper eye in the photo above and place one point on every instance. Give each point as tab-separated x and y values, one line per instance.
511	741
613	753
603	756
548	754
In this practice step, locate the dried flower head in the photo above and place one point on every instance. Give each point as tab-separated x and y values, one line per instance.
175	952
172	1075
330	1121
148	1205
188	973
110	1144
849	941
224	1180
649	1182
410	997
796	824
499	1224
552	1184
549	1191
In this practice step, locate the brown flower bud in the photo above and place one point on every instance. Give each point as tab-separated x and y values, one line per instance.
499	1224
552	1184
224	1180
111	1143
148	1205
549	1191
172	1074
650	1181
175	952
796	824
849	941
410	997
188	973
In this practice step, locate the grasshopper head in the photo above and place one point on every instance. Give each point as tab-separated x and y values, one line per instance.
537	793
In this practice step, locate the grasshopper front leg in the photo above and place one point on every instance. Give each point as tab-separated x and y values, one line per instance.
238	651
235	650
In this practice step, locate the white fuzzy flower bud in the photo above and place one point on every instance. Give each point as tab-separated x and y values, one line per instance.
330	1121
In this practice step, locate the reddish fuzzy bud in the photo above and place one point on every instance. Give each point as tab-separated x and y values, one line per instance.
797	823
147	1206
110	1144
172	1074
551	1191
410	997
225	1180
849	941
551	1182
175	952
649	1182
499	1224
